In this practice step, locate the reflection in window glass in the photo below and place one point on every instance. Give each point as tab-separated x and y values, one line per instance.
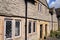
8	29
17	28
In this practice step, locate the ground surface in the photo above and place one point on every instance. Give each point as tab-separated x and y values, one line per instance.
49	38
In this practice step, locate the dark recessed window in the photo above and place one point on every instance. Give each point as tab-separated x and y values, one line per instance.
17	28
34	26
29	27
8	29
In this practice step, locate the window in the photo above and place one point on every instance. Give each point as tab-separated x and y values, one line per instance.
17	28
34	26
8	29
12	28
39	7
29	27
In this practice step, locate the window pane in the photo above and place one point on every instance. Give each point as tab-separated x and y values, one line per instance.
39	6
17	28
8	29
34	26
29	28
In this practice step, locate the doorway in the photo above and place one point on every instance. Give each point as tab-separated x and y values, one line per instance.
41	30
45	29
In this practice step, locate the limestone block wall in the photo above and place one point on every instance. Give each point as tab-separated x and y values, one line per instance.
55	17
44	14
55	22
22	37
1	28
59	22
38	30
44	2
12	7
32	10
32	35
55	26
43	29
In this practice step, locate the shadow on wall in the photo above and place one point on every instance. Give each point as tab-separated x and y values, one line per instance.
30	1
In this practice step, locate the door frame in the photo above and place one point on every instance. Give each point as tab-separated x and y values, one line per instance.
46	29
41	30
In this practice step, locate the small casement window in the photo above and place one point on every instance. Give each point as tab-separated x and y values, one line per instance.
39	6
17	28
8	29
34	26
29	27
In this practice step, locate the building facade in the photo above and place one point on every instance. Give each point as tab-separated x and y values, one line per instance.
13	15
58	16
54	19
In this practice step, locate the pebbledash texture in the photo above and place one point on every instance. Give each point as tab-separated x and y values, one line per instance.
40	20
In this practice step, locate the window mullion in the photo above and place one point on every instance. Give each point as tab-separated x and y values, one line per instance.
13	29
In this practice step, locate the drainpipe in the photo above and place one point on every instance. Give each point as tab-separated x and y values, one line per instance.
25	19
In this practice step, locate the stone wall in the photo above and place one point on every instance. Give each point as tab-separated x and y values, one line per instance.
12	7
1	28
44	14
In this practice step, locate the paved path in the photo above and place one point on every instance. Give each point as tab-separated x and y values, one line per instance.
51	38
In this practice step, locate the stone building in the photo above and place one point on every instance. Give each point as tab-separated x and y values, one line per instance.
58	16
15	25
54	19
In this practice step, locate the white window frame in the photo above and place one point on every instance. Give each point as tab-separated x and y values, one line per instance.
5	29
20	29
13	28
